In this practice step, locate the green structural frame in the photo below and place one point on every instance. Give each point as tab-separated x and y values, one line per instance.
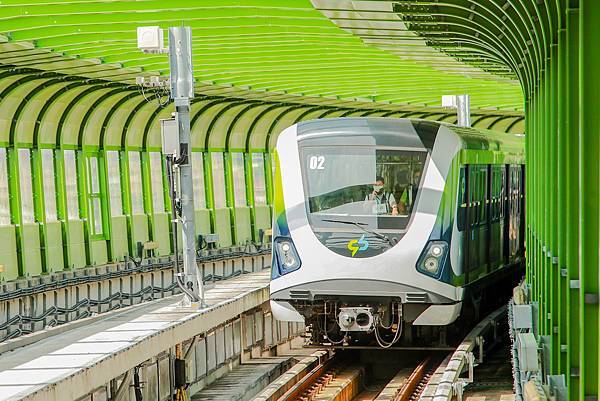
89	125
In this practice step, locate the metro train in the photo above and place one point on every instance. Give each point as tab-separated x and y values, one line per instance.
393	231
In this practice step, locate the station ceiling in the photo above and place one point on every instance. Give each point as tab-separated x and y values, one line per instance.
272	47
68	68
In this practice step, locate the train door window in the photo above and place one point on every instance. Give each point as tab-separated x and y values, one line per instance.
501	191
71	184
198	177
258	175
26	186
461	209
239	179
135	181
114	183
519	195
473	195
483	194
94	196
4	194
156	178
493	210
49	184
218	176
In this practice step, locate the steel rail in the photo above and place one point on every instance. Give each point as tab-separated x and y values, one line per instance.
307	381
411	385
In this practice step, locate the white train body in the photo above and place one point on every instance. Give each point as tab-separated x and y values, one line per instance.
332	244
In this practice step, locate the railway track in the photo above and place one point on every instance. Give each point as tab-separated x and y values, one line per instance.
344	378
400	375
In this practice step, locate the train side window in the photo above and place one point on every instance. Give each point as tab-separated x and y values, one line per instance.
4	194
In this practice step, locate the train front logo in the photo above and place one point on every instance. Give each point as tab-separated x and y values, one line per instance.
356	245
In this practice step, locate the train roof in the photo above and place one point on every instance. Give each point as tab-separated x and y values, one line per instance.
472	138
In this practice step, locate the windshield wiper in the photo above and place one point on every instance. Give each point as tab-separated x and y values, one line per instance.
360	225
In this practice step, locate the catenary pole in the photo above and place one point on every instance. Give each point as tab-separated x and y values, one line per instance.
182	91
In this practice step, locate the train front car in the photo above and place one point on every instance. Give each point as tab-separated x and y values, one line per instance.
363	227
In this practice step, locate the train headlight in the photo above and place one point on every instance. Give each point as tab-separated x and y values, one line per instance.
433	257
436	250
286	254
432	265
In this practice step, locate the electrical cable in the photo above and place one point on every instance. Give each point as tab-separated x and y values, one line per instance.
392	320
382	343
325	328
139	268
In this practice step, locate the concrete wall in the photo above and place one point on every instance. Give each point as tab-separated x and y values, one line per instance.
210	355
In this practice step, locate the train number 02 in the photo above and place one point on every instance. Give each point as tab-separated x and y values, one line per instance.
316	162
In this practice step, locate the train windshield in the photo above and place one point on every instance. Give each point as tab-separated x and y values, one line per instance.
361	191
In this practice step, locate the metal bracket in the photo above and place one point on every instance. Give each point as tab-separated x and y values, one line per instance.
458	389
592	299
471	364
479	341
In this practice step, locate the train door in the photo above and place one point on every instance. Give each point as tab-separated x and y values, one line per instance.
477	214
522	210
496	218
514	205
483	227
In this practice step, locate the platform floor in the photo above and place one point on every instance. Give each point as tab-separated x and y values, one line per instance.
68	365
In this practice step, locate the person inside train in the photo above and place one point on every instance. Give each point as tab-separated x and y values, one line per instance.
407	199
382	202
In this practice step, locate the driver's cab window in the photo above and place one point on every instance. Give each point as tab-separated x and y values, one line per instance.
371	184
398	176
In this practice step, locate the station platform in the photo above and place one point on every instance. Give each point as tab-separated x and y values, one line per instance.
66	365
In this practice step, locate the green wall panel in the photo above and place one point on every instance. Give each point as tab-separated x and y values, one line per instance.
98	252
8	254
139	229
203	221
262	218
76	244
161	233
223	226
242	225
54	247
30	251
118	238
